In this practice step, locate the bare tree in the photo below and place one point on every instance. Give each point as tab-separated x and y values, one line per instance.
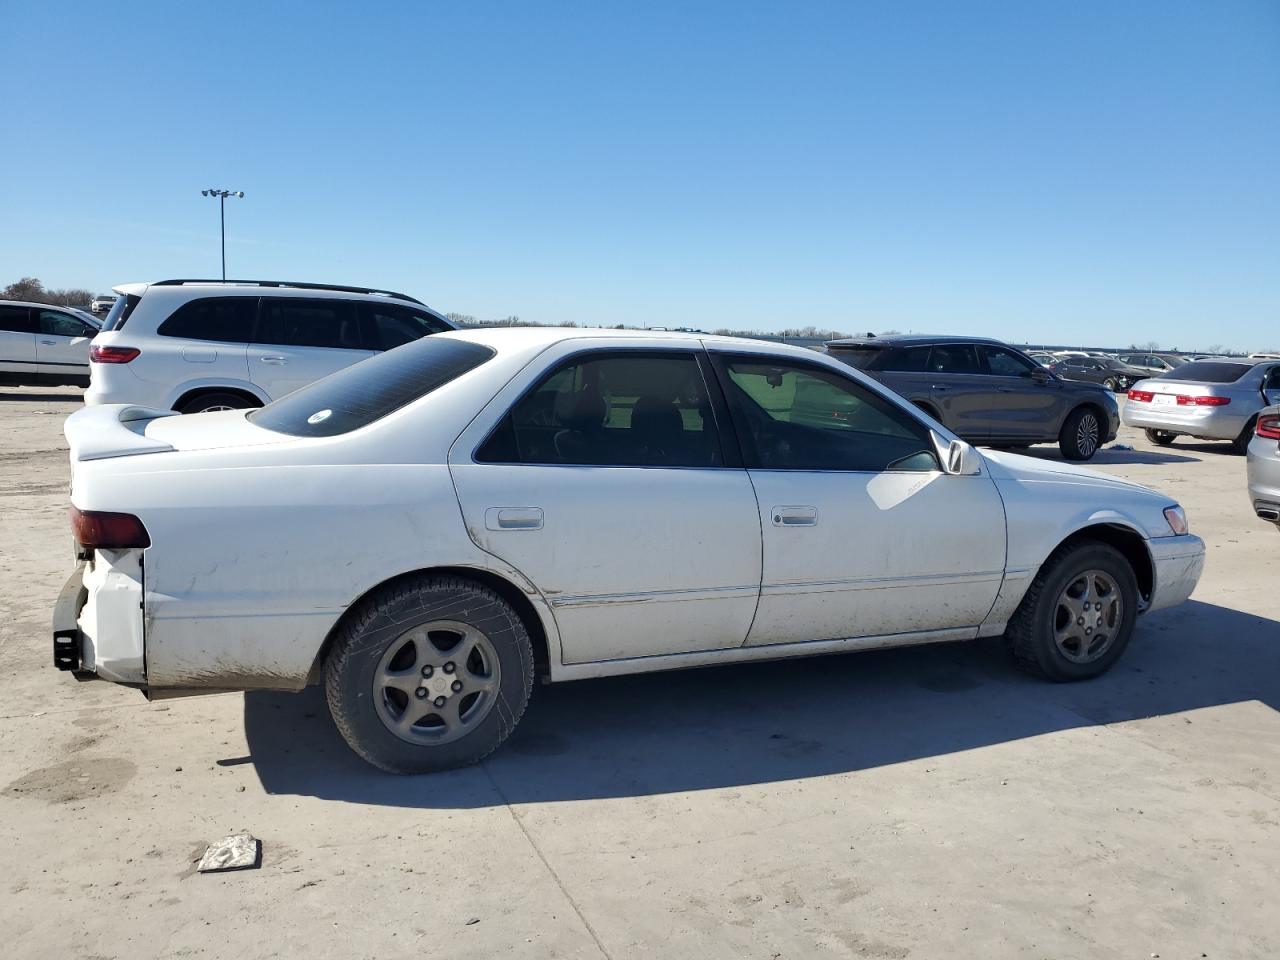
33	291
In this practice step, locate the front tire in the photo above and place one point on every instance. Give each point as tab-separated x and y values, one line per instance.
1078	615
1161	438
428	674
1081	434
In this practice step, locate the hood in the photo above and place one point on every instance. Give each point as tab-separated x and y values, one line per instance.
1014	466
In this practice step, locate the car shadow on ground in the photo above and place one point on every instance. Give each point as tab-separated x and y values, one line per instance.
1110	455
766	722
43	397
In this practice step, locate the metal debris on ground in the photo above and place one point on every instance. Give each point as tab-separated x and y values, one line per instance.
240	852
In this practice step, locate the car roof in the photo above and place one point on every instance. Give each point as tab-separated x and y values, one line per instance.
910	339
274	288
32	303
536	338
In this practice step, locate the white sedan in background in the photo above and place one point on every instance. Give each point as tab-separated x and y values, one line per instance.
428	530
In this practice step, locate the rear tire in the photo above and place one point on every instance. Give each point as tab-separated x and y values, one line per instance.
1112	384
1081	434
429	673
1240	445
208	402
1161	438
1043	632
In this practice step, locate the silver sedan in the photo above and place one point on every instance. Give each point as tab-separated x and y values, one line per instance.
1264	466
1205	399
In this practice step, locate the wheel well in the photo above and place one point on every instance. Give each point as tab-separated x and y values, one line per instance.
1089	405
190	395
498	584
1130	544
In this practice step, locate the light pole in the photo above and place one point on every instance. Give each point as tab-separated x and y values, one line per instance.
222	217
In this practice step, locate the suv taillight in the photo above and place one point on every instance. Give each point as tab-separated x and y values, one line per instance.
112	354
98	530
1269	426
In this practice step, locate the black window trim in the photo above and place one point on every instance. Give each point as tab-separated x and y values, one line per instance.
719	360
726	439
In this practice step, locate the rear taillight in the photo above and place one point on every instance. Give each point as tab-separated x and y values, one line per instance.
112	354
1269	426
98	530
1142	396
1184	401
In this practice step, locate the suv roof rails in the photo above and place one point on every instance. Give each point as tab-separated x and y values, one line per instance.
294	284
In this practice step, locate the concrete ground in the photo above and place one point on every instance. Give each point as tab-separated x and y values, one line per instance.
929	802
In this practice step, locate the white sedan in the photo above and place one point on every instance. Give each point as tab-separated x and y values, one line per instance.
429	530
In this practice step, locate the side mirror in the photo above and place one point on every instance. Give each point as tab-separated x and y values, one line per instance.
1041	374
958	459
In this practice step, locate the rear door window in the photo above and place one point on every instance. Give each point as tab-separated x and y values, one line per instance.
391	325
295	322
220	319
16	320
619	410
907	360
953	358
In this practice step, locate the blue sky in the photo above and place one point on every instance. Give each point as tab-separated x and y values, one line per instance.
1065	172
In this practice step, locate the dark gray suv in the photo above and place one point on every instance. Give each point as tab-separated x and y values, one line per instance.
988	392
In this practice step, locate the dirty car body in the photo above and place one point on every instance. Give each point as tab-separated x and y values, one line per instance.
617	501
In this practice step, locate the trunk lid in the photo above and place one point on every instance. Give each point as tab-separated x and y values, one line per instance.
123	430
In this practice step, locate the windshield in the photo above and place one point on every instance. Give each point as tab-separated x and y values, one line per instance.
368	391
87	317
1209	371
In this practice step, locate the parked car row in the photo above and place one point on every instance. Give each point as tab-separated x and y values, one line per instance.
988	392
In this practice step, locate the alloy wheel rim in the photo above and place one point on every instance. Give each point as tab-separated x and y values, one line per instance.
436	682
1088	616
215	409
1087	434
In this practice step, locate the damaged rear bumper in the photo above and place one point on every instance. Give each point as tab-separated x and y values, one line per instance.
98	621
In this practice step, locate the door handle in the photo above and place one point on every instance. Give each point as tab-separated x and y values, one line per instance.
938	386
793	516
275	361
49	343
513	518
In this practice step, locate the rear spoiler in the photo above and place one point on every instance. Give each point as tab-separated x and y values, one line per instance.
113	430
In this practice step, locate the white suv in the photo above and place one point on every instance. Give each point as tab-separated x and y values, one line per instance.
197	345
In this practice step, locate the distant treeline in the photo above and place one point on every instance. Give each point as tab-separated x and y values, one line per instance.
33	291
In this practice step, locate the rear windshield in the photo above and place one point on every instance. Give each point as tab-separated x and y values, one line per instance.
367	391
859	357
120	311
1208	371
